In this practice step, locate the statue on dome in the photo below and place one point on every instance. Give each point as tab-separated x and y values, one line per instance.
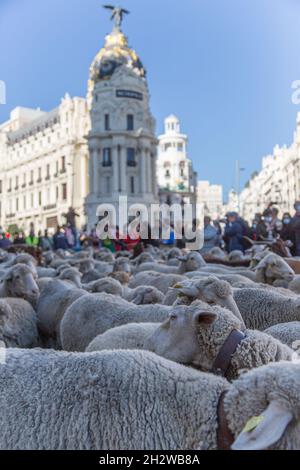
117	14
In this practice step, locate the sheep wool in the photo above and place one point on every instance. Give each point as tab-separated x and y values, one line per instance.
109	400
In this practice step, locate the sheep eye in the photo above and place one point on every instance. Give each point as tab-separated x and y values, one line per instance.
173	317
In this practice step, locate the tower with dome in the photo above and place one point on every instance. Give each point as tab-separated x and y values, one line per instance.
122	143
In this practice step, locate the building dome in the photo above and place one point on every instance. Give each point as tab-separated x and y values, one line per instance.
115	53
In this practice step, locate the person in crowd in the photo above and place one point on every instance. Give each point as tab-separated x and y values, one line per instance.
273	223
211	236
45	242
4	241
295	229
19	238
69	236
259	228
286	233
234	232
60	240
32	240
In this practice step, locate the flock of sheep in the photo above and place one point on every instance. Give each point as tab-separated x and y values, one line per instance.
163	351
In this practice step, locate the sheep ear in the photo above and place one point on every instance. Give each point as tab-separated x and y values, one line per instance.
273	422
204	318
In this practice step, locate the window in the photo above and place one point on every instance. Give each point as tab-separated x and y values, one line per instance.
63	165
182	172
106	157
24	202
0	186
31	200
132	184
24	180
10	184
57	164
180	147
39	175
64	191
17	205
106	122
131	157
31	177
130	122
57	192
167	146
17	182
48	172
167	175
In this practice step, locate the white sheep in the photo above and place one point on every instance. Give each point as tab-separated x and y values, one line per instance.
262	308
136	400
54	299
287	333
93	314
199	334
18	324
151	278
273	268
190	262
128	336
19	281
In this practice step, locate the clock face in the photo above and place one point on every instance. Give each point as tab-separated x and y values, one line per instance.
107	68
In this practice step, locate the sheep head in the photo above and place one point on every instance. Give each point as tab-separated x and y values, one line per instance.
20	281
193	335
270	393
273	267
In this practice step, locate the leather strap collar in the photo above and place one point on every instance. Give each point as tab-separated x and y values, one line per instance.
224	435
222	361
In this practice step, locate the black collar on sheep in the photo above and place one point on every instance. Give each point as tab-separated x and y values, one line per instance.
223	359
225	437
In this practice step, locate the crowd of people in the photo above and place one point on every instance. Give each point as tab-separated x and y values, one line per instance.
236	233
230	233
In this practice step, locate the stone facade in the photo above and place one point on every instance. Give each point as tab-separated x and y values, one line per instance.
43	165
210	196
175	175
278	181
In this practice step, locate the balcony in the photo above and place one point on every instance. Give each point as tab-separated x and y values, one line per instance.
132	164
106	164
23	185
11	216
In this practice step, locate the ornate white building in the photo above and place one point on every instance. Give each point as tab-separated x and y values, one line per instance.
86	151
122	142
43	165
210	196
278	181
175	175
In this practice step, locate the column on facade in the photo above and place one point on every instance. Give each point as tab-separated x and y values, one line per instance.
91	171
142	170
153	172
115	179
148	171
123	169
96	170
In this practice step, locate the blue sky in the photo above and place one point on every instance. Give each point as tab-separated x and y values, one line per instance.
225	67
